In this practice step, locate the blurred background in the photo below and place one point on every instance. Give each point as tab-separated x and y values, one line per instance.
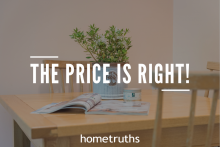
162	31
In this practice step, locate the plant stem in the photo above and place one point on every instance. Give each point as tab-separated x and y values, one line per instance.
89	51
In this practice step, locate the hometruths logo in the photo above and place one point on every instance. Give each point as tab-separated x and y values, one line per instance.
109	139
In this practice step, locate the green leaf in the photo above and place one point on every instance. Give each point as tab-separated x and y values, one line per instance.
113	50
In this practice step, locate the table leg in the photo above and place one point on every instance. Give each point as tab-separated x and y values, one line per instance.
58	142
20	139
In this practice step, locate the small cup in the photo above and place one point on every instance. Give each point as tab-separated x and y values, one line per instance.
132	95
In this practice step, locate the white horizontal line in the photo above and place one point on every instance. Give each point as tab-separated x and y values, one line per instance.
44	57
175	89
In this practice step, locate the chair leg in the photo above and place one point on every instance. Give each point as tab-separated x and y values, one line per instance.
20	139
212	119
157	124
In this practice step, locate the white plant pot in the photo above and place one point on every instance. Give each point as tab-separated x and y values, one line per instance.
112	90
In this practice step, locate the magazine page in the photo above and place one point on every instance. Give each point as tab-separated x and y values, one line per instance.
85	101
115	107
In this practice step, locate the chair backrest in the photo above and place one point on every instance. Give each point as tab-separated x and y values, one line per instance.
212	66
62	66
208	80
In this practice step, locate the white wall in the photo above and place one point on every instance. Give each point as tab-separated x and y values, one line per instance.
196	33
39	27
43	28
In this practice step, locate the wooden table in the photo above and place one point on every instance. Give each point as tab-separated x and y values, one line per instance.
63	129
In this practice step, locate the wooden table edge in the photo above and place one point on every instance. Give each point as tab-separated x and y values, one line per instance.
58	131
30	132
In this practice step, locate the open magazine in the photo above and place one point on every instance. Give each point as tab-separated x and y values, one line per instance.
92	104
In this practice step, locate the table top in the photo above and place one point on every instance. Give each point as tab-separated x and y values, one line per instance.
175	114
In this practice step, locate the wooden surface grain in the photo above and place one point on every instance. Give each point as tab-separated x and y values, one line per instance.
170	137
34	126
212	66
175	114
197	80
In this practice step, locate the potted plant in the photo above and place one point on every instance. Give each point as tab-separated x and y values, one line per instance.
111	47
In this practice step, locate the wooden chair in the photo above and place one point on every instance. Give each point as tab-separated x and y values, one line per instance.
196	81
62	66
212	66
